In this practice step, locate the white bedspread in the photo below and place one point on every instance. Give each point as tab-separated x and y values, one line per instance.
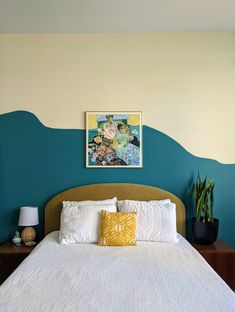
85	277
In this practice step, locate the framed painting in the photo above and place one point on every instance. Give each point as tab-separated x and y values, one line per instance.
114	140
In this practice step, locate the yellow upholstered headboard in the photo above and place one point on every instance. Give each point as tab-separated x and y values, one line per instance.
104	191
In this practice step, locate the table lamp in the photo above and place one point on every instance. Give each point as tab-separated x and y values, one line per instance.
28	217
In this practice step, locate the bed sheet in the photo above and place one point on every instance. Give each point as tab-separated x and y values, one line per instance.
86	277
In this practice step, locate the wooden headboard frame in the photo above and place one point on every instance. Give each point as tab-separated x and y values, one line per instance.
104	191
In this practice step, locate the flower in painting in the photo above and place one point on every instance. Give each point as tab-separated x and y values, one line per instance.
97	139
94	156
104	150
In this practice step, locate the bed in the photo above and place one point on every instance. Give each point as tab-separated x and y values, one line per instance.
86	277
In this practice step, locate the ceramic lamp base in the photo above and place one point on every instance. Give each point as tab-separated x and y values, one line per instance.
28	234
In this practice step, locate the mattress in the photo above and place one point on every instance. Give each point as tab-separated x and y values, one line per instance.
86	277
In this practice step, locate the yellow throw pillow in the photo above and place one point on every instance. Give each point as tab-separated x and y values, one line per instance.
117	229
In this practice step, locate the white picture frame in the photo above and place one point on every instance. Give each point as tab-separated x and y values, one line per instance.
114	139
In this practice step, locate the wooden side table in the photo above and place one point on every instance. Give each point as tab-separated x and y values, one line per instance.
10	257
221	257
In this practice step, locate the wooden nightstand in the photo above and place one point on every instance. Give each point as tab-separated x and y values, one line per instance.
221	258
11	257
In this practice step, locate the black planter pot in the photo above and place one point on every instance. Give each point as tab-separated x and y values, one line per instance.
205	233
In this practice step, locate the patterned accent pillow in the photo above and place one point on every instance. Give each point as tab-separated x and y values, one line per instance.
117	229
156	220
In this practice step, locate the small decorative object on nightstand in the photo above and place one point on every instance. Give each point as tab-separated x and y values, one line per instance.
28	217
16	239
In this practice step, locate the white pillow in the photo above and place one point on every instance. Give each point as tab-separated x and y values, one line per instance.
162	201
156	221
79	221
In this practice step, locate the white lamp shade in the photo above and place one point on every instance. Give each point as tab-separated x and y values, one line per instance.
28	216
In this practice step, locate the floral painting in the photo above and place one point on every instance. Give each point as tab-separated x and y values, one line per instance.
113	139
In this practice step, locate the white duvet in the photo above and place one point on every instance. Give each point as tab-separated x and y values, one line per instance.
85	277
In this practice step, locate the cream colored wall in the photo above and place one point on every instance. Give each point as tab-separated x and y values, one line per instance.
183	82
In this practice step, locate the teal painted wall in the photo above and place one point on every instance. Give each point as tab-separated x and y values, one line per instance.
37	162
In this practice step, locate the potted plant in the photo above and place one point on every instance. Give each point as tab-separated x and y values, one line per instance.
205	226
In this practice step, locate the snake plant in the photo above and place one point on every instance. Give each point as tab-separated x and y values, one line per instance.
204	199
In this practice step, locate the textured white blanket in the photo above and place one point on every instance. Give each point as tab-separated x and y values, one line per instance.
85	277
